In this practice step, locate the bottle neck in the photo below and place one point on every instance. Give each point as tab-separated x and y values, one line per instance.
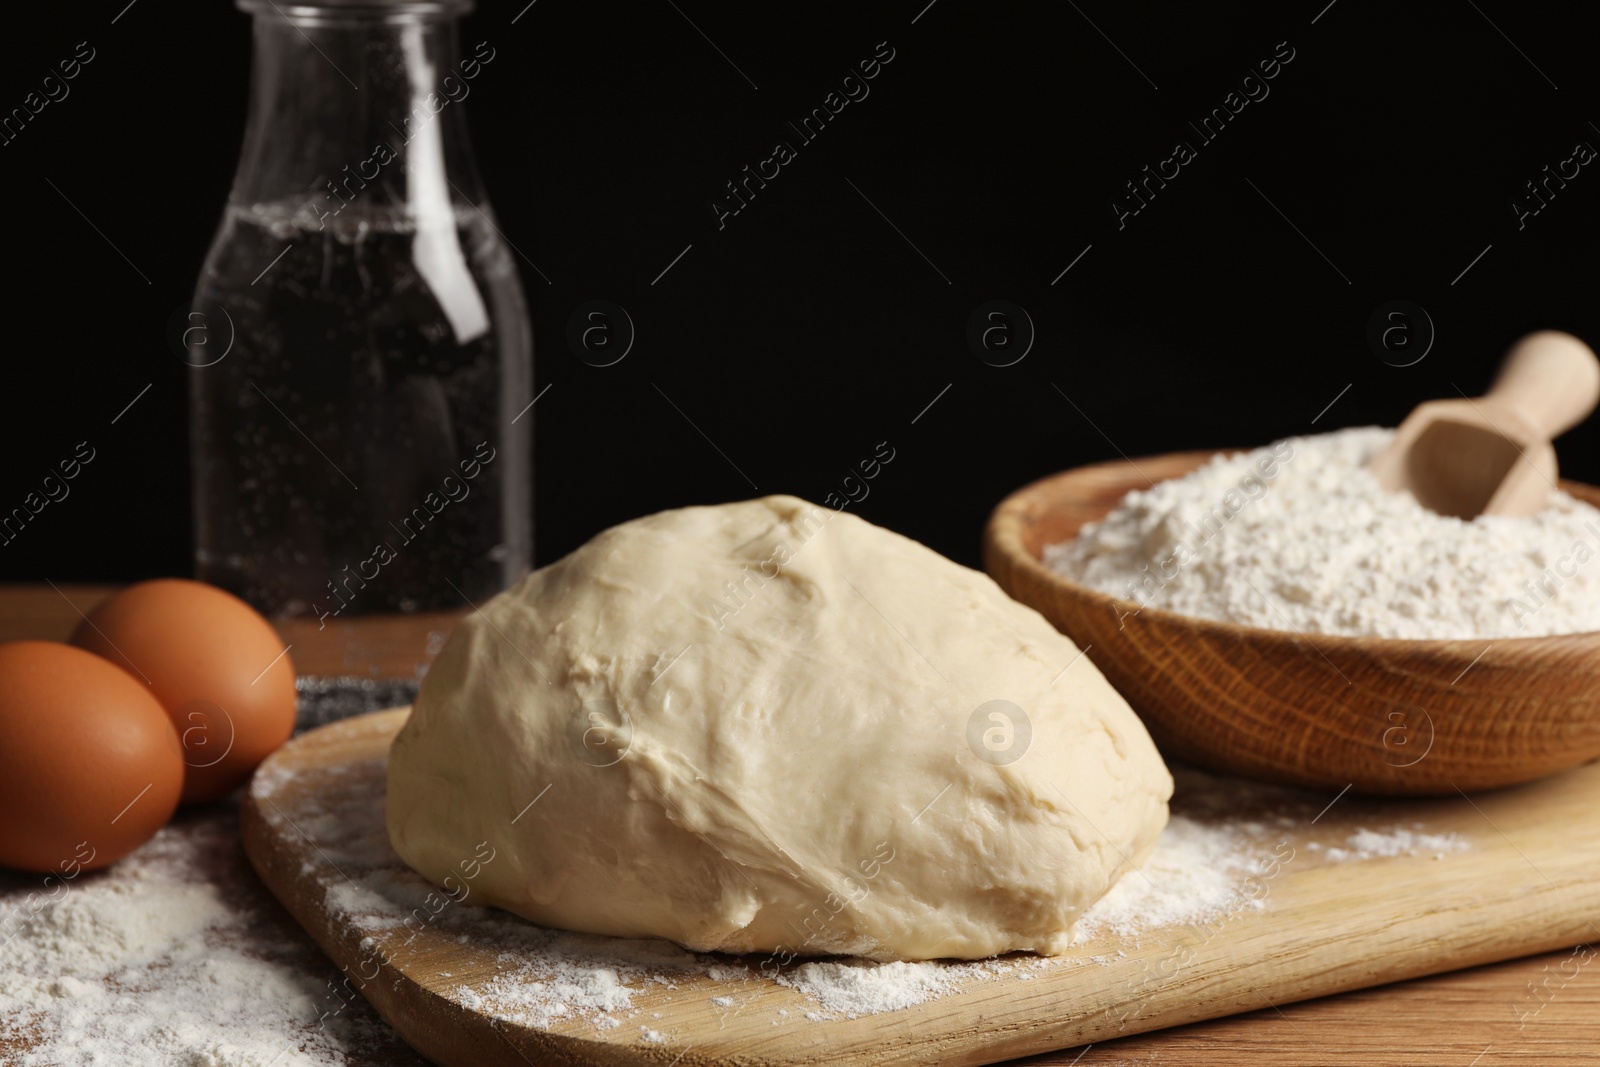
356	112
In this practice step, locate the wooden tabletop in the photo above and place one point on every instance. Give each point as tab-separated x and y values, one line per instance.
1540	1010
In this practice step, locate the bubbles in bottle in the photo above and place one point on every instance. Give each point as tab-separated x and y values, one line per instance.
356	448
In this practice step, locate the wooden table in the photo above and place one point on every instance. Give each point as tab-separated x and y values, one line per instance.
1534	1011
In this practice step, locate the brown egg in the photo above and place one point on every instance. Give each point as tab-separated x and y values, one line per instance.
217	666
90	766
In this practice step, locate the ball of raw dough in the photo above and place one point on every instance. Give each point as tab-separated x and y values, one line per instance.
771	727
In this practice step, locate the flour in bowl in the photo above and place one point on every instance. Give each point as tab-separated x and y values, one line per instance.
1299	536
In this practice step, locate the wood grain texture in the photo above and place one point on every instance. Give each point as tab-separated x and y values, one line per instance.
1385	716
1445	1021
43	613
373	646
1541	1012
1524	883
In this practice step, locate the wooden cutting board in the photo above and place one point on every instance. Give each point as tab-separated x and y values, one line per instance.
1521	876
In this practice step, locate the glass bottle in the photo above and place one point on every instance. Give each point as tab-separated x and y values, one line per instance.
360	348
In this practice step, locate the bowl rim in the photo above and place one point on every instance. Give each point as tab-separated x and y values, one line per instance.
1012	506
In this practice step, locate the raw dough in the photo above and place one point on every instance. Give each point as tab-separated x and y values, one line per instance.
768	727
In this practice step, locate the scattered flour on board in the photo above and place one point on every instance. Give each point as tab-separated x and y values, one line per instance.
1196	873
174	956
1209	866
1299	535
858	987
1365	844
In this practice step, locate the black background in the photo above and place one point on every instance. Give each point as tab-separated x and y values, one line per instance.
808	329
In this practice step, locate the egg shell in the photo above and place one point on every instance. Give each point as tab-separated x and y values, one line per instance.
90	764
217	667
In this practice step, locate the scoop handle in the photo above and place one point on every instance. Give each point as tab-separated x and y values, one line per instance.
1551	379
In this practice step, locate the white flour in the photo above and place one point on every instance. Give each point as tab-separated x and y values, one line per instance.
1299	536
545	977
172	958
177	957
1365	844
1211	867
1194	874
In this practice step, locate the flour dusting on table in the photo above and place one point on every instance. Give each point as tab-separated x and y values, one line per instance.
1401	841
177	956
173	956
1210	867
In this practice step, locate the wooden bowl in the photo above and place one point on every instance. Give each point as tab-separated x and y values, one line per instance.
1380	715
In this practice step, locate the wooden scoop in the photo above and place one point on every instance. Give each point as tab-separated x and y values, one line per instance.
1492	456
